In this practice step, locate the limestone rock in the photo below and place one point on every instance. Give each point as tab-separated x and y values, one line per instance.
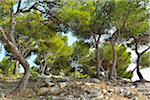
43	90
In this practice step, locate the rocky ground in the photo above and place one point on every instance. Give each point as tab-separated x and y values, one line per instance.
78	89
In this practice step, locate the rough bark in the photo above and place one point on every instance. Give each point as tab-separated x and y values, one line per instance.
98	62
45	63
15	71
10	40
113	73
99	67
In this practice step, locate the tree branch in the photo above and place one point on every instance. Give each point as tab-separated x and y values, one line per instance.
18	8
93	34
136	46
99	36
144	51
4	34
29	9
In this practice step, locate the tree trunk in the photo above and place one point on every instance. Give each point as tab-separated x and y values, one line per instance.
15	71
98	62
45	63
10	40
138	58
43	70
113	73
138	68
22	61
24	81
22	84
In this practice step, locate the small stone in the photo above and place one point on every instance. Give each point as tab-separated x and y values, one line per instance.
70	97
43	90
110	91
88	84
57	98
104	92
123	92
95	93
63	84
147	85
95	80
129	95
3	95
50	83
55	89
84	97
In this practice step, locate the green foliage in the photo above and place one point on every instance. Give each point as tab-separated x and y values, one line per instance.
145	60
123	58
5	7
39	34
77	15
127	74
82	51
60	46
55	53
5	65
84	54
34	71
130	17
34	24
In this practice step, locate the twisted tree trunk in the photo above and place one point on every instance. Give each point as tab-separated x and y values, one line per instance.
138	58
10	40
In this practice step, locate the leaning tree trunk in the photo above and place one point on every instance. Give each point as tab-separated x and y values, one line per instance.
138	59
24	63
138	68
113	73
9	39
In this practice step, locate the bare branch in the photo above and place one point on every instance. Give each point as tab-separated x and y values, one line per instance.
18	8
144	51
136	46
93	34
29	9
99	36
4	34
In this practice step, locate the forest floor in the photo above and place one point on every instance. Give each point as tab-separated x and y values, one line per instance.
77	89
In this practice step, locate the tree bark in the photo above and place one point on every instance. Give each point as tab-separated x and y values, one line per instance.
45	63
113	73
138	68
98	62
11	42
24	63
15	71
138	58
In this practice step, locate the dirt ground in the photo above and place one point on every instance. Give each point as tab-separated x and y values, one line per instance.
75	90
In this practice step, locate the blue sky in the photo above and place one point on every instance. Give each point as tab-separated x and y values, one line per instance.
71	38
2	52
